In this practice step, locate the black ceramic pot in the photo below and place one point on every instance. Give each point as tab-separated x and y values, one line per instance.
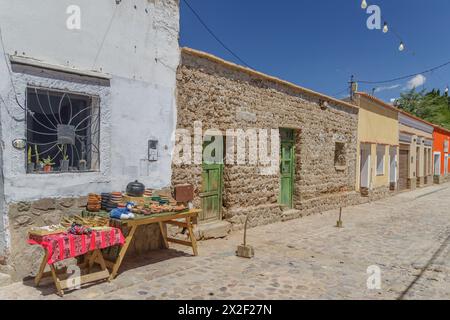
135	189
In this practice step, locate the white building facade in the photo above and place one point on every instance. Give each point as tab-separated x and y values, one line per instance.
90	82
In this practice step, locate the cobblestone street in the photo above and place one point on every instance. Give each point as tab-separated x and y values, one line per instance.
407	236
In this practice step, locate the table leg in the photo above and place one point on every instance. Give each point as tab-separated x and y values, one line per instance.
162	227
122	252
40	273
91	260
99	259
59	291
192	236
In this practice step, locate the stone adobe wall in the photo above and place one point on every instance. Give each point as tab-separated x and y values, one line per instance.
440	179
380	193
224	98
24	259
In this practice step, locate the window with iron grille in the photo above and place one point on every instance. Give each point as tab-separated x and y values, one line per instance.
63	130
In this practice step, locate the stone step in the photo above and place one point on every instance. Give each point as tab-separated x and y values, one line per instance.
212	230
290	214
5	280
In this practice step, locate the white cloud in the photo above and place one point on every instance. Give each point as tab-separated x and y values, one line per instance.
415	82
393	101
379	89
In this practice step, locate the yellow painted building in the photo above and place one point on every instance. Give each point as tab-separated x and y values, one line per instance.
378	145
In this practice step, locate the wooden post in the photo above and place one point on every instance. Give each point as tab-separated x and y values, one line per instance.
339	222
245	251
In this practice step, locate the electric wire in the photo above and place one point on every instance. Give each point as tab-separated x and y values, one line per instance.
406	76
214	35
105	35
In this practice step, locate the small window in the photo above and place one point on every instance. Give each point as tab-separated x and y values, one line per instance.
340	160
381	153
62	131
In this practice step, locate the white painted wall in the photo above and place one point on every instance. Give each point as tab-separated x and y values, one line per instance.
136	42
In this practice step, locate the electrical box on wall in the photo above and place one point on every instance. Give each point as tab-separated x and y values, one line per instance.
152	150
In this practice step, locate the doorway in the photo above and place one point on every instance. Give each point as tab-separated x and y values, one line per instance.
212	179
418	175
393	166
403	169
287	159
365	166
437	164
446	164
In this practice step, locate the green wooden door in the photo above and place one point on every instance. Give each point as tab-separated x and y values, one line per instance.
287	167
211	193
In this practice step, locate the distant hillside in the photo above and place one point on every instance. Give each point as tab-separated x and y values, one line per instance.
430	106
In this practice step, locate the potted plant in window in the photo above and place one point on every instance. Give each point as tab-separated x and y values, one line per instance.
82	164
39	164
48	164
30	165
64	162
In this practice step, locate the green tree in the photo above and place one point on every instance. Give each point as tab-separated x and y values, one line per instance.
431	106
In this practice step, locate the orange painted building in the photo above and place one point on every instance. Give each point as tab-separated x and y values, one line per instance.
441	159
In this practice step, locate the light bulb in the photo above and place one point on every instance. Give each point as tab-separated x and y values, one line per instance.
385	28
401	47
363	4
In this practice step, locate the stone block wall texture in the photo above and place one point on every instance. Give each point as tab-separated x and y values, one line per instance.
218	95
440	179
24	259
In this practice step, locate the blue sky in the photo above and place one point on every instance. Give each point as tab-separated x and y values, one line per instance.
318	44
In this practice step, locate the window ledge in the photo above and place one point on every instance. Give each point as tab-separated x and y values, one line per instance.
60	172
39	64
340	168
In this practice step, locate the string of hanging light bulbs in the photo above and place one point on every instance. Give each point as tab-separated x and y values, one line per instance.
385	29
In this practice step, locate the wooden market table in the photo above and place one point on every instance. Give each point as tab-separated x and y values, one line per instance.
85	248
184	219
61	284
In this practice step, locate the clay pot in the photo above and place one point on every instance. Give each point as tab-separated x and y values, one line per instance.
47	168
135	189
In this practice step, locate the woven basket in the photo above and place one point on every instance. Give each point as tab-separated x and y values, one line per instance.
93	221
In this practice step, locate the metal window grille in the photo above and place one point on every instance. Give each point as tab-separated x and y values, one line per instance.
63	131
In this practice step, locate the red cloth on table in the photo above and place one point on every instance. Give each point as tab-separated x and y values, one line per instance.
65	245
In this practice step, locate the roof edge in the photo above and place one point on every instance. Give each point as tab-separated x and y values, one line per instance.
375	99
259	74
